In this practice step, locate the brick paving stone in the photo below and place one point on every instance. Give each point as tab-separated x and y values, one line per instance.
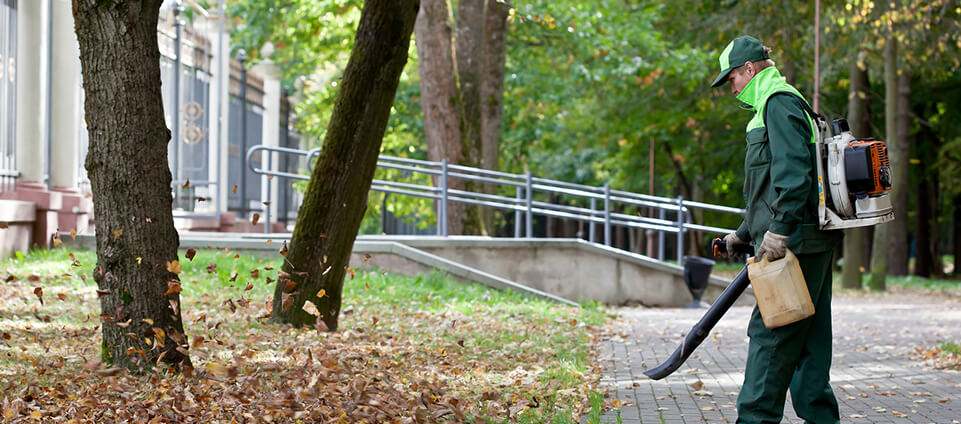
873	374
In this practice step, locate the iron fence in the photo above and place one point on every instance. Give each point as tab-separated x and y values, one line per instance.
600	207
8	94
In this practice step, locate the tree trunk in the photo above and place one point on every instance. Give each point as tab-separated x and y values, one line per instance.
130	178
468	45
927	262
336	195
899	152
868	243
923	258
492	91
439	97
883	232
859	119
957	235
469	54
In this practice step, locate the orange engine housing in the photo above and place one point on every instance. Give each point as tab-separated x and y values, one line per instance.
867	168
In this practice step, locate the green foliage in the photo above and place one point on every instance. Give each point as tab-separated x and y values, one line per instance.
951	347
312	50
590	86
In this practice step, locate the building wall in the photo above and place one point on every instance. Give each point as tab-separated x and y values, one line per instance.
42	163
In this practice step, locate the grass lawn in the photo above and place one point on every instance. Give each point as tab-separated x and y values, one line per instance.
410	349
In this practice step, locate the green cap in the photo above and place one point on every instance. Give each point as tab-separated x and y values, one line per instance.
743	49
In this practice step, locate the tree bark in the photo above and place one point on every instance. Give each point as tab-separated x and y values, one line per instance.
899	152
859	119
923	254
957	235
336	195
439	97
927	261
883	232
492	91
130	179
469	55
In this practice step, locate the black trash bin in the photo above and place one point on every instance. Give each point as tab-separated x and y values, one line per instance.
697	270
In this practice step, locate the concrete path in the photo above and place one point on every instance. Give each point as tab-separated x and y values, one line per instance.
873	373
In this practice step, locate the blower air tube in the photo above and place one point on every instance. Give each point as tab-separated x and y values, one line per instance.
703	327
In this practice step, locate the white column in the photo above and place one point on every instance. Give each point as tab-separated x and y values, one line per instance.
65	108
271	128
221	77
31	92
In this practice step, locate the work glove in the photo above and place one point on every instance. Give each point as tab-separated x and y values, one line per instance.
730	241
773	246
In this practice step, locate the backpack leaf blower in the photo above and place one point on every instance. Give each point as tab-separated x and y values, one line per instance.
858	178
703	327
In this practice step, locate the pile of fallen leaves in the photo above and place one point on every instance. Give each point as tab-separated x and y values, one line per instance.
938	358
405	360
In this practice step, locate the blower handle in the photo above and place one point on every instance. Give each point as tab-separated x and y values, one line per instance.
719	246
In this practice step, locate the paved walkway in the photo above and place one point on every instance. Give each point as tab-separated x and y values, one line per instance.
873	375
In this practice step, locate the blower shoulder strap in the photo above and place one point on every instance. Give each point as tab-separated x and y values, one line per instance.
804	104
820	122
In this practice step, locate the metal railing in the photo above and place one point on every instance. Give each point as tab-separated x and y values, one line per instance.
596	205
8	179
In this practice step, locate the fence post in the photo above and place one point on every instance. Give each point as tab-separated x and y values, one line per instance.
266	179
442	220
175	136
591	222
607	214
680	229
517	214
530	205
242	58
662	214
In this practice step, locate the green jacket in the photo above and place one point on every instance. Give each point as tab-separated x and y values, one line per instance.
780	181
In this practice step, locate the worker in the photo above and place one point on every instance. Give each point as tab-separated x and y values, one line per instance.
781	200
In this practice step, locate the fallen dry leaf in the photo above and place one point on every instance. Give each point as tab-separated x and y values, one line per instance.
174	266
191	252
173	286
109	372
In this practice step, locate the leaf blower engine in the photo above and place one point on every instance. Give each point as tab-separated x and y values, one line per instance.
857	175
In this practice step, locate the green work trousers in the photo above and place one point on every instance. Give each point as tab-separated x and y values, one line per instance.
797	355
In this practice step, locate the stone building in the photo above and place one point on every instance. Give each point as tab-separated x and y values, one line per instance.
216	111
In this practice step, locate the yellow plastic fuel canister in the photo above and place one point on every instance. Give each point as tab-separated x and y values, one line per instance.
781	292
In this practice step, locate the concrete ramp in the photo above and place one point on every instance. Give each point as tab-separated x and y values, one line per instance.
573	269
563	270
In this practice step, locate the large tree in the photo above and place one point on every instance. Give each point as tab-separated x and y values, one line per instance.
859	118
336	195
461	76
137	264
883	232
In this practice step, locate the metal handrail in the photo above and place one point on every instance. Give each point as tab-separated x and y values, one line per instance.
522	204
